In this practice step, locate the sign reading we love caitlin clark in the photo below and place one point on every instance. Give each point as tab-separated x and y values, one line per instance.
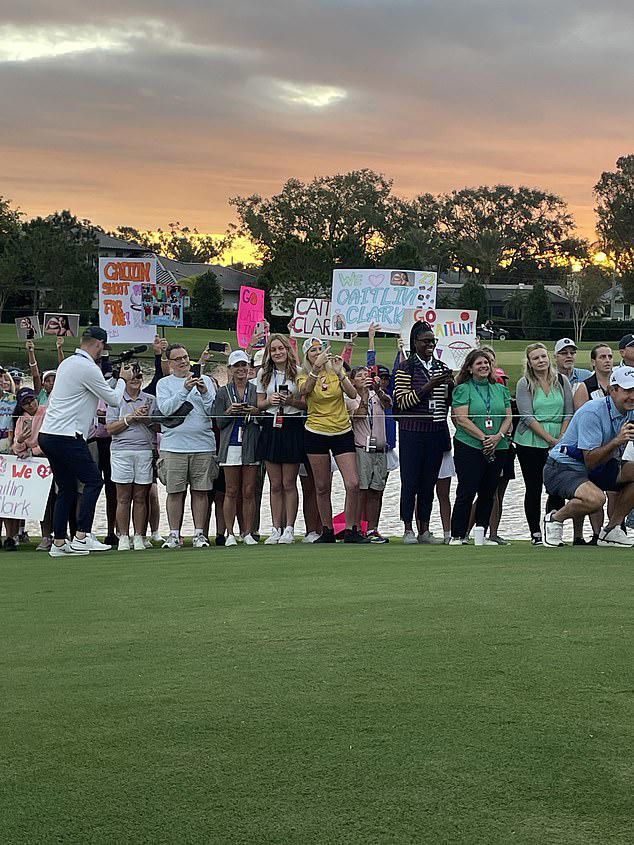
24	487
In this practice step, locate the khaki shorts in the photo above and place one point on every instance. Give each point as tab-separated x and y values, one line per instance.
178	469
372	468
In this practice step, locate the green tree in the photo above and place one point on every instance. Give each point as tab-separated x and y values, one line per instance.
473	297
206	300
492	229
60	258
585	291
178	242
297	268
614	193
536	314
11	267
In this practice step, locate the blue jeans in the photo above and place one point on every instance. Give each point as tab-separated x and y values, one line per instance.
71	461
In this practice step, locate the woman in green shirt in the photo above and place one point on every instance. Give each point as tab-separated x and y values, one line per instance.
482	416
545	407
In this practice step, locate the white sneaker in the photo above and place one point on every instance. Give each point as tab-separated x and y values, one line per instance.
310	537
456	541
288	537
200	542
249	540
157	537
428	538
124	544
172	542
231	540
552	532
138	543
274	539
66	551
147	543
91	543
615	537
409	538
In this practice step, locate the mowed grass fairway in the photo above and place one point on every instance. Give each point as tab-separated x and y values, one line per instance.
317	695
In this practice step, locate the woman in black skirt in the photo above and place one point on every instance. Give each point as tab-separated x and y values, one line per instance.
282	440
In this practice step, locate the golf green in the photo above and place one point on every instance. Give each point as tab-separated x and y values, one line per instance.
317	695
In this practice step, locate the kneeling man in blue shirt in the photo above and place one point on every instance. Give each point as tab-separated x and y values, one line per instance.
587	461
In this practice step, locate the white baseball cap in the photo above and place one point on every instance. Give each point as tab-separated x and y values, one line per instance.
258	358
313	341
563	343
623	377
237	356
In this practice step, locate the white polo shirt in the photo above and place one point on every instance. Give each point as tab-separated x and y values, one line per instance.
79	385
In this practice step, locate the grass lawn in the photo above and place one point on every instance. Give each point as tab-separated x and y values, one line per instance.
510	353
382	695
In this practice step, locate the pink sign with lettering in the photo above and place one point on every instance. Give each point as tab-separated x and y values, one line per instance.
250	312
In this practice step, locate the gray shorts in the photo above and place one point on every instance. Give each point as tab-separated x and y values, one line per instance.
372	469
565	479
178	469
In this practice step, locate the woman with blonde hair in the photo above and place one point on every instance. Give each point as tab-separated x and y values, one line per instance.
544	405
281	444
323	383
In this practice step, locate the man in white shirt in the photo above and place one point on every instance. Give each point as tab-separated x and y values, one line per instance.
188	448
79	385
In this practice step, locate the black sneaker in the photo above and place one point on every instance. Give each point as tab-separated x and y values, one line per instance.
111	540
375	537
220	539
594	541
327	536
536	540
10	545
351	535
579	541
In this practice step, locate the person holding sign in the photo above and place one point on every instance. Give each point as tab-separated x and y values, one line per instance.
482	414
323	382
281	443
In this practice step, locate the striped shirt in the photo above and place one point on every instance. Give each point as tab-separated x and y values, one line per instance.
421	413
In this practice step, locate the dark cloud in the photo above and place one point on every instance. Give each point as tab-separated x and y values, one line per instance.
191	103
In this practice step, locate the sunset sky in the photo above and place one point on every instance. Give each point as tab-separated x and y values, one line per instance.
139	113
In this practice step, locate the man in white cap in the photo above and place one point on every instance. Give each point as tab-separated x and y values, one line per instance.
565	354
587	461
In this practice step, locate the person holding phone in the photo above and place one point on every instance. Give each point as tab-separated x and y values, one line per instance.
131	456
423	387
234	408
281	444
323	383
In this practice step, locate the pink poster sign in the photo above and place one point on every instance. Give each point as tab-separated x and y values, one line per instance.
250	313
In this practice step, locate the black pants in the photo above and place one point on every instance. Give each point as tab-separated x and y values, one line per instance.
532	461
478	476
420	457
71	461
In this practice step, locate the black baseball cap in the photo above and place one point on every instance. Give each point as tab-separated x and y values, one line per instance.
626	340
383	371
25	394
96	333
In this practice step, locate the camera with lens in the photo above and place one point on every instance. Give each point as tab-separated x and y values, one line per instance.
112	366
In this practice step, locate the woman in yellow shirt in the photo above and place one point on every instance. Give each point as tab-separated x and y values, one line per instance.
323	382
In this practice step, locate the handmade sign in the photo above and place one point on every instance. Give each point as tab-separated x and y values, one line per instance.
311	318
454	329
28	328
61	325
162	305
24	487
120	292
361	297
250	313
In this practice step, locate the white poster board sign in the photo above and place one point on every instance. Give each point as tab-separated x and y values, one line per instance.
121	283
361	297
454	329
24	487
311	318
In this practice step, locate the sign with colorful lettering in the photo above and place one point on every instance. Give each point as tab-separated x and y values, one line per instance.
24	487
121	283
361	297
311	318
454	329
250	313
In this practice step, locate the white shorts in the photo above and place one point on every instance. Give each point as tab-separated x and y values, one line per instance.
128	467
234	458
447	468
